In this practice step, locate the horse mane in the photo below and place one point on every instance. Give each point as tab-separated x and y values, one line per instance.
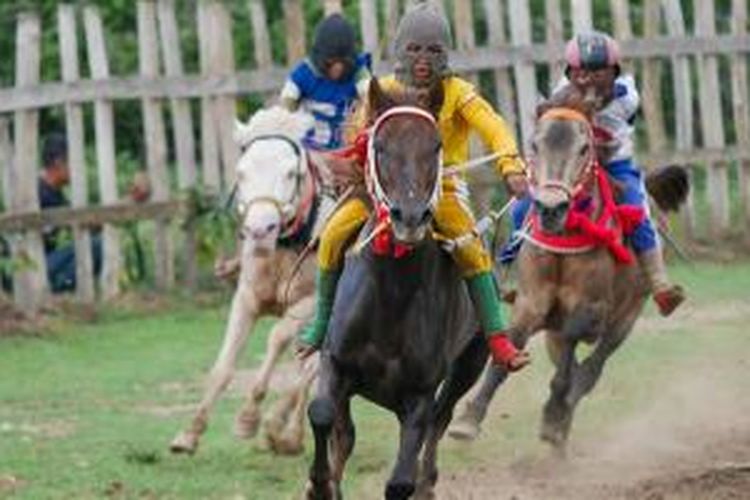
273	120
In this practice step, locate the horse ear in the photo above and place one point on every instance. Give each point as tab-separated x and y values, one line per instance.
240	132
436	98
377	99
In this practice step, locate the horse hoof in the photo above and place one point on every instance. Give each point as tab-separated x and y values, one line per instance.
329	491
554	436
282	445
425	491
399	491
185	443
246	424
465	428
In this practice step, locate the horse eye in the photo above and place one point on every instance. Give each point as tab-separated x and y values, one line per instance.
584	150
534	148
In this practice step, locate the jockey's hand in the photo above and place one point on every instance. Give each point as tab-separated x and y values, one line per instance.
517	184
303	350
226	269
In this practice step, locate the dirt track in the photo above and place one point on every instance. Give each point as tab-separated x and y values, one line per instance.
691	443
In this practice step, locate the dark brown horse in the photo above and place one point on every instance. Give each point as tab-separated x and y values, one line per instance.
585	296
401	327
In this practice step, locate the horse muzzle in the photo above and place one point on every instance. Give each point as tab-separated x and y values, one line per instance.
410	225
553	208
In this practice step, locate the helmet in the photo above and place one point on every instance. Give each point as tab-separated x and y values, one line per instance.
425	25
334	39
593	50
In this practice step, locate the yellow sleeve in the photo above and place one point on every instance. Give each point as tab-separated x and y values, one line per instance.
493	130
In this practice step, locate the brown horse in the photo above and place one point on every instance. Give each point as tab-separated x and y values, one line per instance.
583	295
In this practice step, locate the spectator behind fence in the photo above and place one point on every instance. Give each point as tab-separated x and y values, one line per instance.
59	251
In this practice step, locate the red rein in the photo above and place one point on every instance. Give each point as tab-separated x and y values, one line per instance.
607	230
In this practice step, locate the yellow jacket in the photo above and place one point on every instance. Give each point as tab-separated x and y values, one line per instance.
465	110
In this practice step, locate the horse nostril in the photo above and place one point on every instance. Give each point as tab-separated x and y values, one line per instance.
396	214
425	216
271	227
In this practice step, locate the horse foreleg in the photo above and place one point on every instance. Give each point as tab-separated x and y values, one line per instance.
322	413
468	425
529	317
242	316
248	419
344	436
558	414
414	422
285	428
588	373
463	374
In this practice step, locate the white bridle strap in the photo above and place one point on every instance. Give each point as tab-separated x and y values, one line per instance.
288	210
375	187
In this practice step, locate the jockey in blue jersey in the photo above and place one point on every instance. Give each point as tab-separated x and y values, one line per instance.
593	75
328	82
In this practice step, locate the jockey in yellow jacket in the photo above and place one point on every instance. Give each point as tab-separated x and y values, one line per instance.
421	45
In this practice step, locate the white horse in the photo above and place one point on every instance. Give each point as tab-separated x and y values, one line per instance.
280	204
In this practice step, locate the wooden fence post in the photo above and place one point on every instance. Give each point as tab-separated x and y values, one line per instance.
712	122
580	13
652	89
30	283
623	27
6	161
221	53
520	32
105	152
683	92
155	140
67	30
182	127
495	14
392	15
554	35
741	110
368	22
261	39
209	130
295	31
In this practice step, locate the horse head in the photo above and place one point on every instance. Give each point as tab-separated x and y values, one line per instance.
274	185
404	158
563	159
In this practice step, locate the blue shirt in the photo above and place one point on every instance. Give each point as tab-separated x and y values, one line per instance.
328	101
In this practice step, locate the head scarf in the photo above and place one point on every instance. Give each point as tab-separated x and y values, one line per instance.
424	26
334	39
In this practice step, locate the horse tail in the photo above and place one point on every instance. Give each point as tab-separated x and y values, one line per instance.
668	186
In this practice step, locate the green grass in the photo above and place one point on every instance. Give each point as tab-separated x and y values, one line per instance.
78	408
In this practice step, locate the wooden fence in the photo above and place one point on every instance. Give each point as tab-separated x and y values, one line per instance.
693	79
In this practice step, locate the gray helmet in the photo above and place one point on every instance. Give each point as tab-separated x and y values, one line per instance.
424	25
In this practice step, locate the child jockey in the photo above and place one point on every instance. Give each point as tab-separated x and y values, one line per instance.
421	49
328	82
593	75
